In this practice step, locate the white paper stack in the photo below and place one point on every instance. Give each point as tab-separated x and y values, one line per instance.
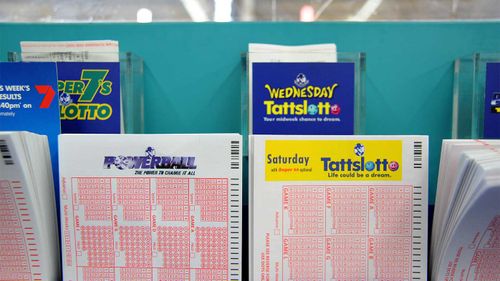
29	244
151	207
338	207
70	51
281	53
466	229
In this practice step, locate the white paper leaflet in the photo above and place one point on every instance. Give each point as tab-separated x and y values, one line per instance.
151	207
466	232
70	51
338	207
29	244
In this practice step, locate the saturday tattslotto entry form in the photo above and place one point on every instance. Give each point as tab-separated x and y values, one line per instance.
338	207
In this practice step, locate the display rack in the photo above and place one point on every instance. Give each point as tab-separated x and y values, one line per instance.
469	95
131	87
132	81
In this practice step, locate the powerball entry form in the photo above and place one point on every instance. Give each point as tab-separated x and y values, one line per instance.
151	207
338	208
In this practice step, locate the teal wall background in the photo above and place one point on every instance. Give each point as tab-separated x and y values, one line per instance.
193	71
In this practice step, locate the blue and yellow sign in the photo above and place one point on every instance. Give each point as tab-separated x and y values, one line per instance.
89	97
303	98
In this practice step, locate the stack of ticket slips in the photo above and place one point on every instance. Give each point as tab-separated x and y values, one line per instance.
466	229
338	207
151	207
70	51
29	244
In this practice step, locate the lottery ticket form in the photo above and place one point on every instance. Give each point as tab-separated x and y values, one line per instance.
151	207
29	244
338	207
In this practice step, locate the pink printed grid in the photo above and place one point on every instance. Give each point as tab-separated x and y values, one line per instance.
13	247
211	195
347	243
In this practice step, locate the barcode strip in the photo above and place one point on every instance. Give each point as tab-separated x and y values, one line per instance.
417	241
417	155
234	203
235	155
4	150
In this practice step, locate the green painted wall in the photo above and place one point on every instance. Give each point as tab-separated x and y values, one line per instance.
193	72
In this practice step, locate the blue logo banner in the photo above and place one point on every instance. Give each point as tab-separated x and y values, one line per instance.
89	95
303	98
28	102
